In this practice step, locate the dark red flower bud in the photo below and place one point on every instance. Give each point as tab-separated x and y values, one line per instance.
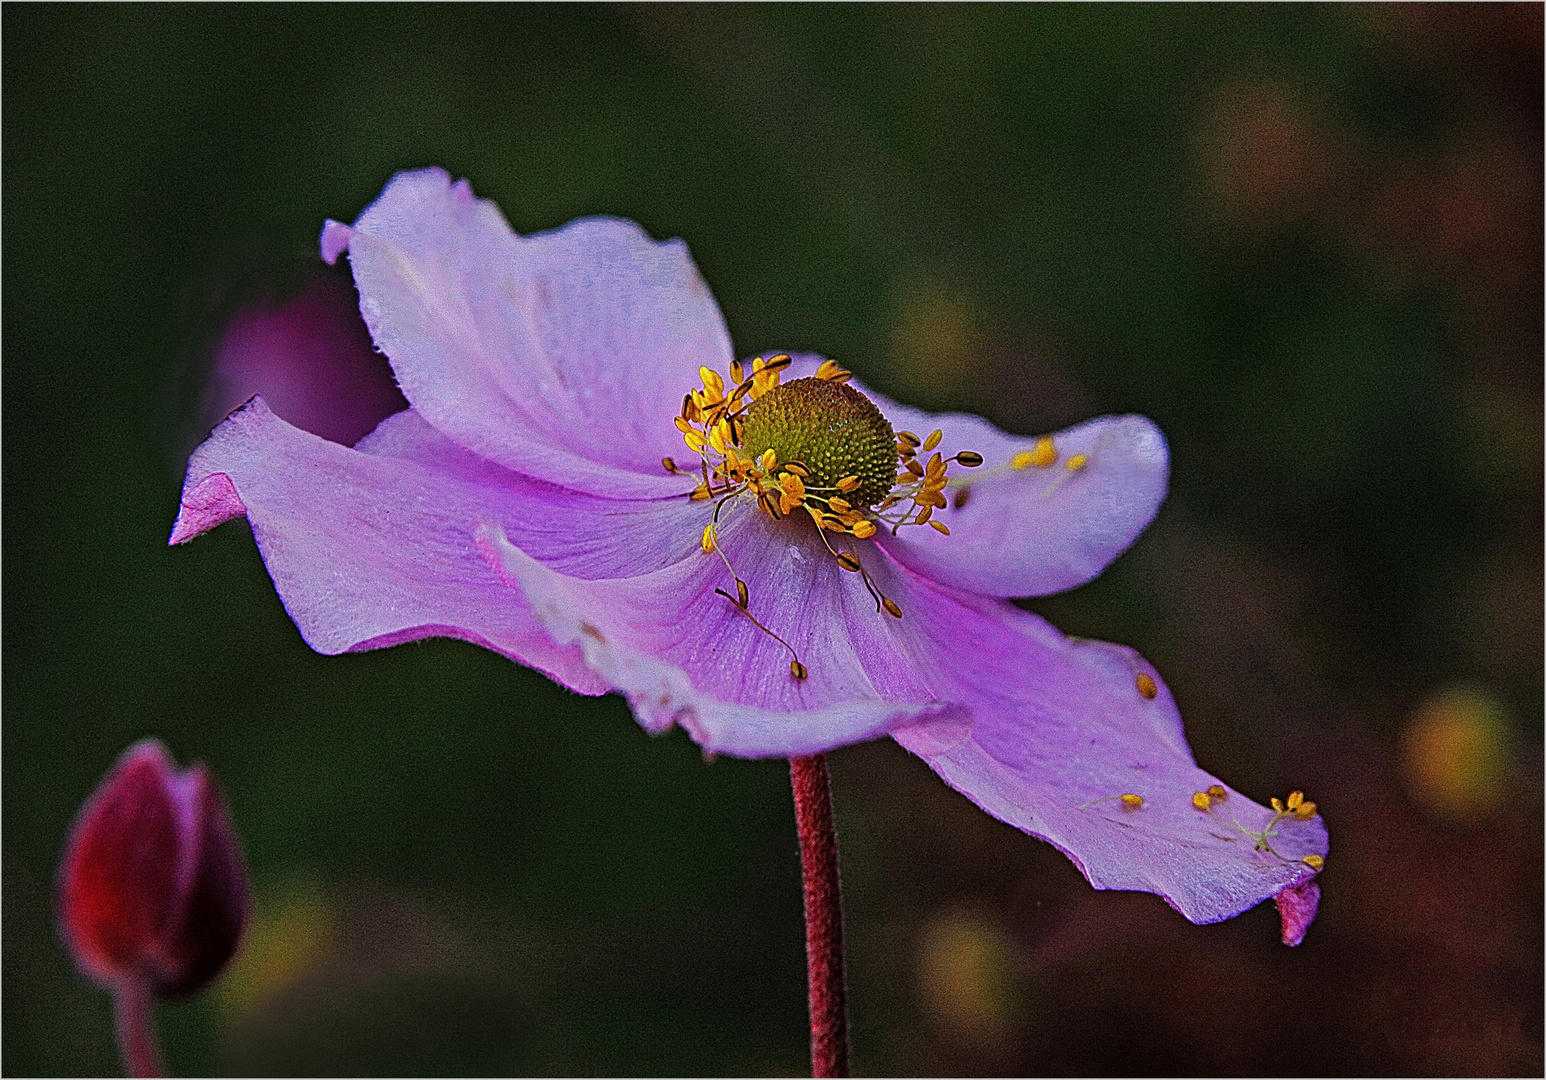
152	888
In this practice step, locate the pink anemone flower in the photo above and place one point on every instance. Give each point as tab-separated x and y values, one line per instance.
766	554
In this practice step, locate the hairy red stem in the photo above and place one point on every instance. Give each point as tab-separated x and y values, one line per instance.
134	1013
823	915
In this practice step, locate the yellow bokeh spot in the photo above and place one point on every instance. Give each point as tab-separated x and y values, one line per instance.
966	977
937	342
1456	753
286	937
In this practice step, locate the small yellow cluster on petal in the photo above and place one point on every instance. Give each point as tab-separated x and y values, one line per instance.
1201	800
1131	801
1043	455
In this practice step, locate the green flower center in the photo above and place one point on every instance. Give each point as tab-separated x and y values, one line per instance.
830	428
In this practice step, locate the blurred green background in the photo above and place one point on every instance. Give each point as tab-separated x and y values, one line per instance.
1306	240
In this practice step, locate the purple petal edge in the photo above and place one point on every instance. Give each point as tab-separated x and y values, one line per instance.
1297	906
212	501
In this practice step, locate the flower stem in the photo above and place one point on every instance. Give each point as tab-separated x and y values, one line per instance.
134	1013
823	915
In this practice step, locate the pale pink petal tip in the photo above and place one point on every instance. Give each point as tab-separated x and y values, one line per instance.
335	240
1297	906
212	501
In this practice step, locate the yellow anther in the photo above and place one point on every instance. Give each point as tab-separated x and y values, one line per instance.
737	372
1200	800
717	437
1077	462
799	469
848	484
891	608
1294	799
1042	455
793	486
669	464
864	530
933	440
940	528
711	381
1277	804
924	515
1305	810
1147	687
1217	791
840	506
797	669
1131	801
1314	862
683	425
743	595
708	538
830	369
695	442
969	458
769	459
908	438
848	562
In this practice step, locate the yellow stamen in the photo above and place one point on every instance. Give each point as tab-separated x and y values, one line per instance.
864	529
933	440
891	608
1305	811
1077	462
694	441
708	538
1277	804
737	372
1147	686
1218	791
938	527
848	484
1314	862
1131	801
969	458
1200	800
711	381
1044	453
848	562
769	457
797	669
908	438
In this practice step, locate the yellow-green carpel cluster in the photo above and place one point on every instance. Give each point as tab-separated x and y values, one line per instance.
831	429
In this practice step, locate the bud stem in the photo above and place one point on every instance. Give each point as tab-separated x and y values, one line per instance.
823	915
134	1011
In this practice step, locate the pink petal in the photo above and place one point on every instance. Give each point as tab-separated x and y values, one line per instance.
1061	728
311	359
684	655
563	355
374	548
1297	906
1033	531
